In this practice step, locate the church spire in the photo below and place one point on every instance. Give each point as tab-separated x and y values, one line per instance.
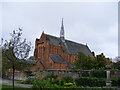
62	32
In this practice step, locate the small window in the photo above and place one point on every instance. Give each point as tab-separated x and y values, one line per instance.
73	58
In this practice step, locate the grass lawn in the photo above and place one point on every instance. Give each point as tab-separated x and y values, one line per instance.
9	86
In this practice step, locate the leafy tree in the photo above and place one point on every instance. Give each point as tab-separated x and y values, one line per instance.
116	65
87	62
15	52
7	64
0	62
102	61
84	62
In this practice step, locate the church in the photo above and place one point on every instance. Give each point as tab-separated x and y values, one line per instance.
57	53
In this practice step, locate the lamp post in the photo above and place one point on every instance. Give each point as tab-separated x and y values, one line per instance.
108	81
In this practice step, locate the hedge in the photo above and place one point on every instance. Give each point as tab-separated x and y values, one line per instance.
98	73
90	81
116	82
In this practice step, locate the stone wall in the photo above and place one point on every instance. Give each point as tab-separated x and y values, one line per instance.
60	74
18	76
115	74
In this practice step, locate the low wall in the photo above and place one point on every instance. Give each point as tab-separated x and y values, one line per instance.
60	73
17	76
115	74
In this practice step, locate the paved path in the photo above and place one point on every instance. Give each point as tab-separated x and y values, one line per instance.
9	82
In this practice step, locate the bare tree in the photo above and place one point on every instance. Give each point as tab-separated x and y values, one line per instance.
16	50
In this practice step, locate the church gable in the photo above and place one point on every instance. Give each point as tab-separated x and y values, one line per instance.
57	52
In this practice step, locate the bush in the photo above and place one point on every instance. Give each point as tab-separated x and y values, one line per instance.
40	83
90	81
99	73
29	80
116	82
68	84
50	76
44	84
21	82
67	79
58	82
62	81
28	73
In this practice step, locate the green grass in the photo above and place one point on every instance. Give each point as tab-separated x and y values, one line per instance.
9	86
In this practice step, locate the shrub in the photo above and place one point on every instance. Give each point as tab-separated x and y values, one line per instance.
68	84
58	82
116	82
21	82
67	79
62	81
39	83
99	73
44	84
28	73
50	76
29	80
90	81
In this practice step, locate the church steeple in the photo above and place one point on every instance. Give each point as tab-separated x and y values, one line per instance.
62	32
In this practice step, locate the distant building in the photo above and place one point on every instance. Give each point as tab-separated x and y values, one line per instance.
57	52
116	59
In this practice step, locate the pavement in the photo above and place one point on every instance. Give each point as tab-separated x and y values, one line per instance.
9	82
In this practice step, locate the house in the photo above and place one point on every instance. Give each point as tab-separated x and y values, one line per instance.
57	53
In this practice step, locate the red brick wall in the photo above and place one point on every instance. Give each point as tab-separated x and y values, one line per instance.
35	67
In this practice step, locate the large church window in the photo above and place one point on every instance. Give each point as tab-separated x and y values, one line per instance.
39	52
56	50
43	51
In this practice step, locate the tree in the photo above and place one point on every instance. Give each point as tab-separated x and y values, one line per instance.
102	61
87	62
15	51
116	65
84	62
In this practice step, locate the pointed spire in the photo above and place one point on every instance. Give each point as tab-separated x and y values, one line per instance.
43	31
62	26
62	31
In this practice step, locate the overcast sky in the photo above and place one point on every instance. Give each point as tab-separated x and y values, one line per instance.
94	23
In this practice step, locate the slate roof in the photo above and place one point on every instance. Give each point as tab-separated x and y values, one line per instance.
58	59
69	46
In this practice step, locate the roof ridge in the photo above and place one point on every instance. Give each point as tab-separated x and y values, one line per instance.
52	36
75	42
65	39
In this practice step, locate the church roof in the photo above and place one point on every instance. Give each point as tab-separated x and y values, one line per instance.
69	46
58	59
